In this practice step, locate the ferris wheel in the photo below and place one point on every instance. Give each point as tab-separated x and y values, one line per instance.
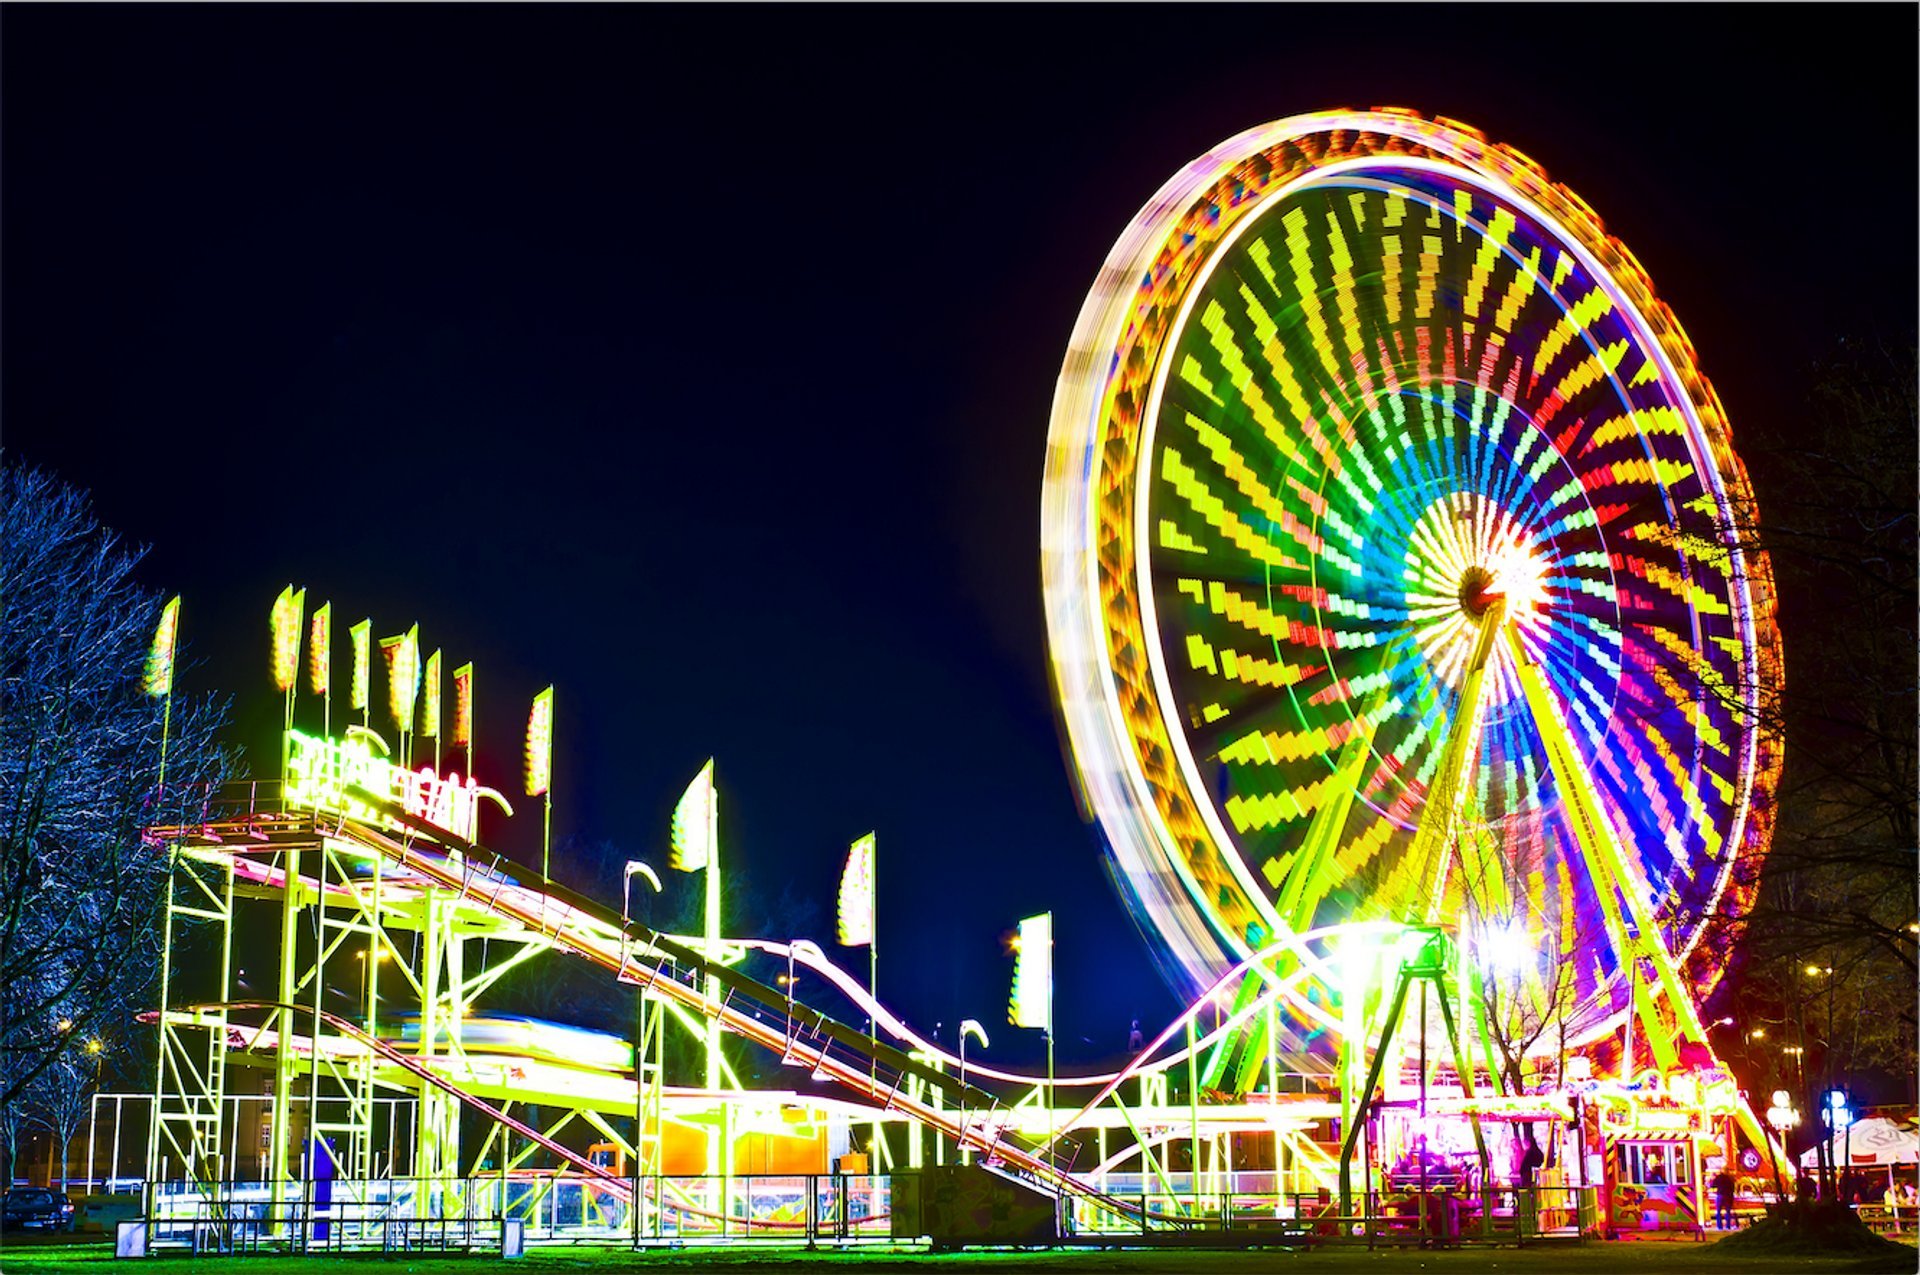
1393	571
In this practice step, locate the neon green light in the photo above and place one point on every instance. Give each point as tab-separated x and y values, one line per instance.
463	706
1032	972
402	653
361	634
540	744
285	624
320	650
159	679
693	823
430	698
322	774
856	895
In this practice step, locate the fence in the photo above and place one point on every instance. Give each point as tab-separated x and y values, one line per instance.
1246	1213
401	1214
406	1213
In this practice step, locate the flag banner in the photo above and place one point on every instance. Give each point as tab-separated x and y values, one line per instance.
159	679
402	654
856	895
540	744
463	706
430	698
285	623
361	634
693	823
1032	972
320	650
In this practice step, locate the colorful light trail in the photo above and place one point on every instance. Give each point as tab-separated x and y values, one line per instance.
1345	381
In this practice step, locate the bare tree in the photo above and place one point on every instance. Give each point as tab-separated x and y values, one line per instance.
80	894
1839	890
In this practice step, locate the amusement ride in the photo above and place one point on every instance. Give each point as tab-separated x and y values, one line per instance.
1413	664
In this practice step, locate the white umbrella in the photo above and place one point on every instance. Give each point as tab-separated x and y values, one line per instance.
1875	1141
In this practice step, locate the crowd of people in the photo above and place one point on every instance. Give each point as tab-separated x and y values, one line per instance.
1853	1186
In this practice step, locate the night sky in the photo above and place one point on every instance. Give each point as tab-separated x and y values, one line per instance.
699	361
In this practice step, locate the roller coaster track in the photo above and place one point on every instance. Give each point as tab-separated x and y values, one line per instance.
653	962
604	1180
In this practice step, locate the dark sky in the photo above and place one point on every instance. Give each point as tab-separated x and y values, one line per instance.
699	360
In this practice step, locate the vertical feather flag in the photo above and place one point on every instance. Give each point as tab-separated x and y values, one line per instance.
361	634
462	706
430	698
159	679
285	622
403	676
1032	973
856	895
320	650
540	744
693	821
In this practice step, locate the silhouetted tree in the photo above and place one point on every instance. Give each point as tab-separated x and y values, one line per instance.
80	892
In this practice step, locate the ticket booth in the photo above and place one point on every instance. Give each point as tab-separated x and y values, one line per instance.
1654	1184
1654	1136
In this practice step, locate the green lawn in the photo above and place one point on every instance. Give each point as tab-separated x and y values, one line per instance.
1628	1258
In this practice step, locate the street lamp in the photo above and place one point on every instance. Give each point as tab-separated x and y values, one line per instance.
1780	1117
1827	1183
968	1027
635	868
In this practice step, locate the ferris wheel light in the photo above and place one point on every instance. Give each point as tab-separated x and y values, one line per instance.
1509	948
1290	503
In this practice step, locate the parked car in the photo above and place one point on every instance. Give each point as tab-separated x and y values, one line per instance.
36	1206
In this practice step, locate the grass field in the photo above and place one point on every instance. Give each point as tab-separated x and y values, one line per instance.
1647	1257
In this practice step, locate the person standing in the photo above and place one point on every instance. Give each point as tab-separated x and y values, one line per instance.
1723	1187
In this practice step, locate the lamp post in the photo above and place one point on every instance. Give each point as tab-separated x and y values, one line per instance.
635	868
968	1027
1780	1117
1827	1183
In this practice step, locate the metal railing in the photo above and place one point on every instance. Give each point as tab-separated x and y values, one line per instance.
406	1214
1438	1218
395	1214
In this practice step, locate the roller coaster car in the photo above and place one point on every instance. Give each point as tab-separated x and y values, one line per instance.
523	1037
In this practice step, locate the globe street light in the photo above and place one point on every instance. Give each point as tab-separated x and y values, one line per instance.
1781	1117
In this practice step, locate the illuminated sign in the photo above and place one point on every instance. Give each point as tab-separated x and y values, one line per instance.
540	744
1625	1115
463	706
322	774
159	679
1032	1002
285	623
320	650
856	895
360	633
430	698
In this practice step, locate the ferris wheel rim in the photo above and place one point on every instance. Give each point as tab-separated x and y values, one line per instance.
1143	546
1080	415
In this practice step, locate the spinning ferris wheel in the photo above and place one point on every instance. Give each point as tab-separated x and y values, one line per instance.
1392	573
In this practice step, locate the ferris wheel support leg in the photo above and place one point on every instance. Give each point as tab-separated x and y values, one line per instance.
1613	871
1359	1106
1433	843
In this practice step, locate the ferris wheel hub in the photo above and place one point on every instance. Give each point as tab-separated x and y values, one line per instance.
1478	589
